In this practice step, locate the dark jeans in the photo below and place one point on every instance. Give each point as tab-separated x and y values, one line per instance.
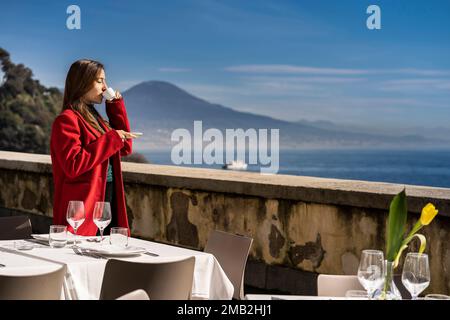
110	197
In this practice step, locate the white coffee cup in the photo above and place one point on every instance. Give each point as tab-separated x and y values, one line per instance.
109	94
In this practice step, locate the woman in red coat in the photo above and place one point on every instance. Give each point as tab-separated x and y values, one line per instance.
86	149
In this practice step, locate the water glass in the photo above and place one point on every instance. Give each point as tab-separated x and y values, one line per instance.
356	294
118	236
371	270
57	236
23	245
416	273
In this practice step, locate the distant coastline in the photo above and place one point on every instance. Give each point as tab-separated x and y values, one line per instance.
415	167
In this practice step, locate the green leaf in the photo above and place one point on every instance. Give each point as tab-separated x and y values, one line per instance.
423	244
399	254
396	225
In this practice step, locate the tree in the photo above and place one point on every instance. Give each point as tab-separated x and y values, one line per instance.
135	157
27	109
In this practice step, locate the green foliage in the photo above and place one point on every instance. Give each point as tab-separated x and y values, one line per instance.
27	109
396	225
135	157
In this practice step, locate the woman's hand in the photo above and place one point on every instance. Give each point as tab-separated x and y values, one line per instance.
126	135
118	95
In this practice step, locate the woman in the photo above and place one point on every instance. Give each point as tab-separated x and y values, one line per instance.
86	150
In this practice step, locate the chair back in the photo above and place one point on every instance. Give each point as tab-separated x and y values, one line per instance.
161	281
138	294
15	227
231	251
46	286
331	285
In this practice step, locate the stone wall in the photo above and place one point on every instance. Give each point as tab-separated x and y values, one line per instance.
301	226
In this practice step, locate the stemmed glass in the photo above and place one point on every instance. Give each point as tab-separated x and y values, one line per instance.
416	273
102	216
371	270
75	216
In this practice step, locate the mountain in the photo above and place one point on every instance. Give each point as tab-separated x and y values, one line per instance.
27	110
440	135
157	108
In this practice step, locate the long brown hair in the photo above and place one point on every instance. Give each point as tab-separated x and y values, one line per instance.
79	81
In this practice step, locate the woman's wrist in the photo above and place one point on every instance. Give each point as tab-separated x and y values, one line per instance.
114	100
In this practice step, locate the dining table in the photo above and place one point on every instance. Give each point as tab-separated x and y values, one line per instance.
84	275
297	297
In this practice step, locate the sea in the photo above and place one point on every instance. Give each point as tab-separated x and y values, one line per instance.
412	167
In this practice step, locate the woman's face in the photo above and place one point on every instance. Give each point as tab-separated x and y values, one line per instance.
94	95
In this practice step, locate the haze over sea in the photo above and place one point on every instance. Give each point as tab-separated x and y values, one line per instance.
415	167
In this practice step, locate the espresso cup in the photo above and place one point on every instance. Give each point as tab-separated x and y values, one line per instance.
109	94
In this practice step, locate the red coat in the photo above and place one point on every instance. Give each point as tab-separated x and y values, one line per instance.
80	155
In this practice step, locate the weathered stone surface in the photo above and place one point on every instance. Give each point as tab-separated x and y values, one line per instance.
180	229
301	226
147	211
276	242
363	194
350	263
311	251
29	199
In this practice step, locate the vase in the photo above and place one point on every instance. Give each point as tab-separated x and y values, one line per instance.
388	290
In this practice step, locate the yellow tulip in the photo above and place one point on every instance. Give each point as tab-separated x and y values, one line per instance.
428	214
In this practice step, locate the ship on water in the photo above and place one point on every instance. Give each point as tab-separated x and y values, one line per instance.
238	165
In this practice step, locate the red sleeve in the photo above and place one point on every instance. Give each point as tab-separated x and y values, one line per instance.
74	158
118	119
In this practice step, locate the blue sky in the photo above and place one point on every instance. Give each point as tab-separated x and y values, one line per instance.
294	59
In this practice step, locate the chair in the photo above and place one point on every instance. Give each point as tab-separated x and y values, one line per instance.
138	294
46	286
232	252
15	227
336	285
161	281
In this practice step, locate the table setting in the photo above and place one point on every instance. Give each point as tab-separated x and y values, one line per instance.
86	257
86	263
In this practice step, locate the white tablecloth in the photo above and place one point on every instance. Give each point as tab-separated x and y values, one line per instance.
295	297
85	274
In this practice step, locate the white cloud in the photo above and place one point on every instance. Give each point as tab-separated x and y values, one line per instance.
294	69
174	70
418	72
290	69
306	80
291	99
429	86
253	89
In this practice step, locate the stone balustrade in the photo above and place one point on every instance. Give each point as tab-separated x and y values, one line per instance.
301	226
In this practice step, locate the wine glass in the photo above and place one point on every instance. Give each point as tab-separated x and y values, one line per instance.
102	216
371	270
416	273
75	216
